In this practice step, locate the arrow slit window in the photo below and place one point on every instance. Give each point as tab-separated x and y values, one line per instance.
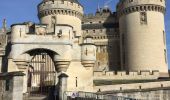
143	18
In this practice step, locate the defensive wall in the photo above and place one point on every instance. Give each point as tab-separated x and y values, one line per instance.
123	75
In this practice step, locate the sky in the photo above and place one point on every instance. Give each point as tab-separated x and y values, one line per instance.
18	11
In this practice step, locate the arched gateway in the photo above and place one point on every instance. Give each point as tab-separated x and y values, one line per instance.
53	53
41	73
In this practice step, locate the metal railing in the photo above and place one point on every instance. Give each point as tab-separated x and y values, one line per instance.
91	96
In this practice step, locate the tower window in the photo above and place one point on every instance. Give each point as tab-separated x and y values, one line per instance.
140	87
165	55
87	31
124	58
98	63
53	21
143	18
164	40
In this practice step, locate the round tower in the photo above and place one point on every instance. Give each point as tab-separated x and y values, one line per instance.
143	38
52	12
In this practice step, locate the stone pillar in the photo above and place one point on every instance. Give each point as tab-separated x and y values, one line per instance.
23	66
61	67
17	91
0	64
62	85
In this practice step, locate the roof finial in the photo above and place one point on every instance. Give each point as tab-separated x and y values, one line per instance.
98	7
4	25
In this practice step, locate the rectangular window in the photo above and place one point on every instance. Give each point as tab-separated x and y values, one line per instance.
124	58
165	56
164	37
143	18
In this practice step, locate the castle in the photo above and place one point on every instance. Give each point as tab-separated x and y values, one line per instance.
120	53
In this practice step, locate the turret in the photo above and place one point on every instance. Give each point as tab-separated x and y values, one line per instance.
143	37
88	52
52	12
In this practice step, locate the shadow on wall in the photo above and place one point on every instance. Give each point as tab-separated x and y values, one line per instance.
113	47
7	47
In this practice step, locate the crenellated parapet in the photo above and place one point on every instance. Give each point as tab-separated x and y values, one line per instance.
123	75
38	33
139	8
125	6
65	7
53	12
60	11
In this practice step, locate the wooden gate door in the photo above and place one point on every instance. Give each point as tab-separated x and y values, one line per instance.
41	74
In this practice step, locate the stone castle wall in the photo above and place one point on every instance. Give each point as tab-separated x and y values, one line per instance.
143	75
159	94
133	86
103	27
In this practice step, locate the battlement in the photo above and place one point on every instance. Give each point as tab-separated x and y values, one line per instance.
130	8
60	7
129	3
31	33
123	75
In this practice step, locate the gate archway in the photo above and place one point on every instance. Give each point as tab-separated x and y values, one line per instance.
41	73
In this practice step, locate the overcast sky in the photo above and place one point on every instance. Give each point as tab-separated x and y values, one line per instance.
18	11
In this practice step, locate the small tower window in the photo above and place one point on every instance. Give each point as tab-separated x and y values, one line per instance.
87	31
164	37
53	21
143	18
165	55
124	58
